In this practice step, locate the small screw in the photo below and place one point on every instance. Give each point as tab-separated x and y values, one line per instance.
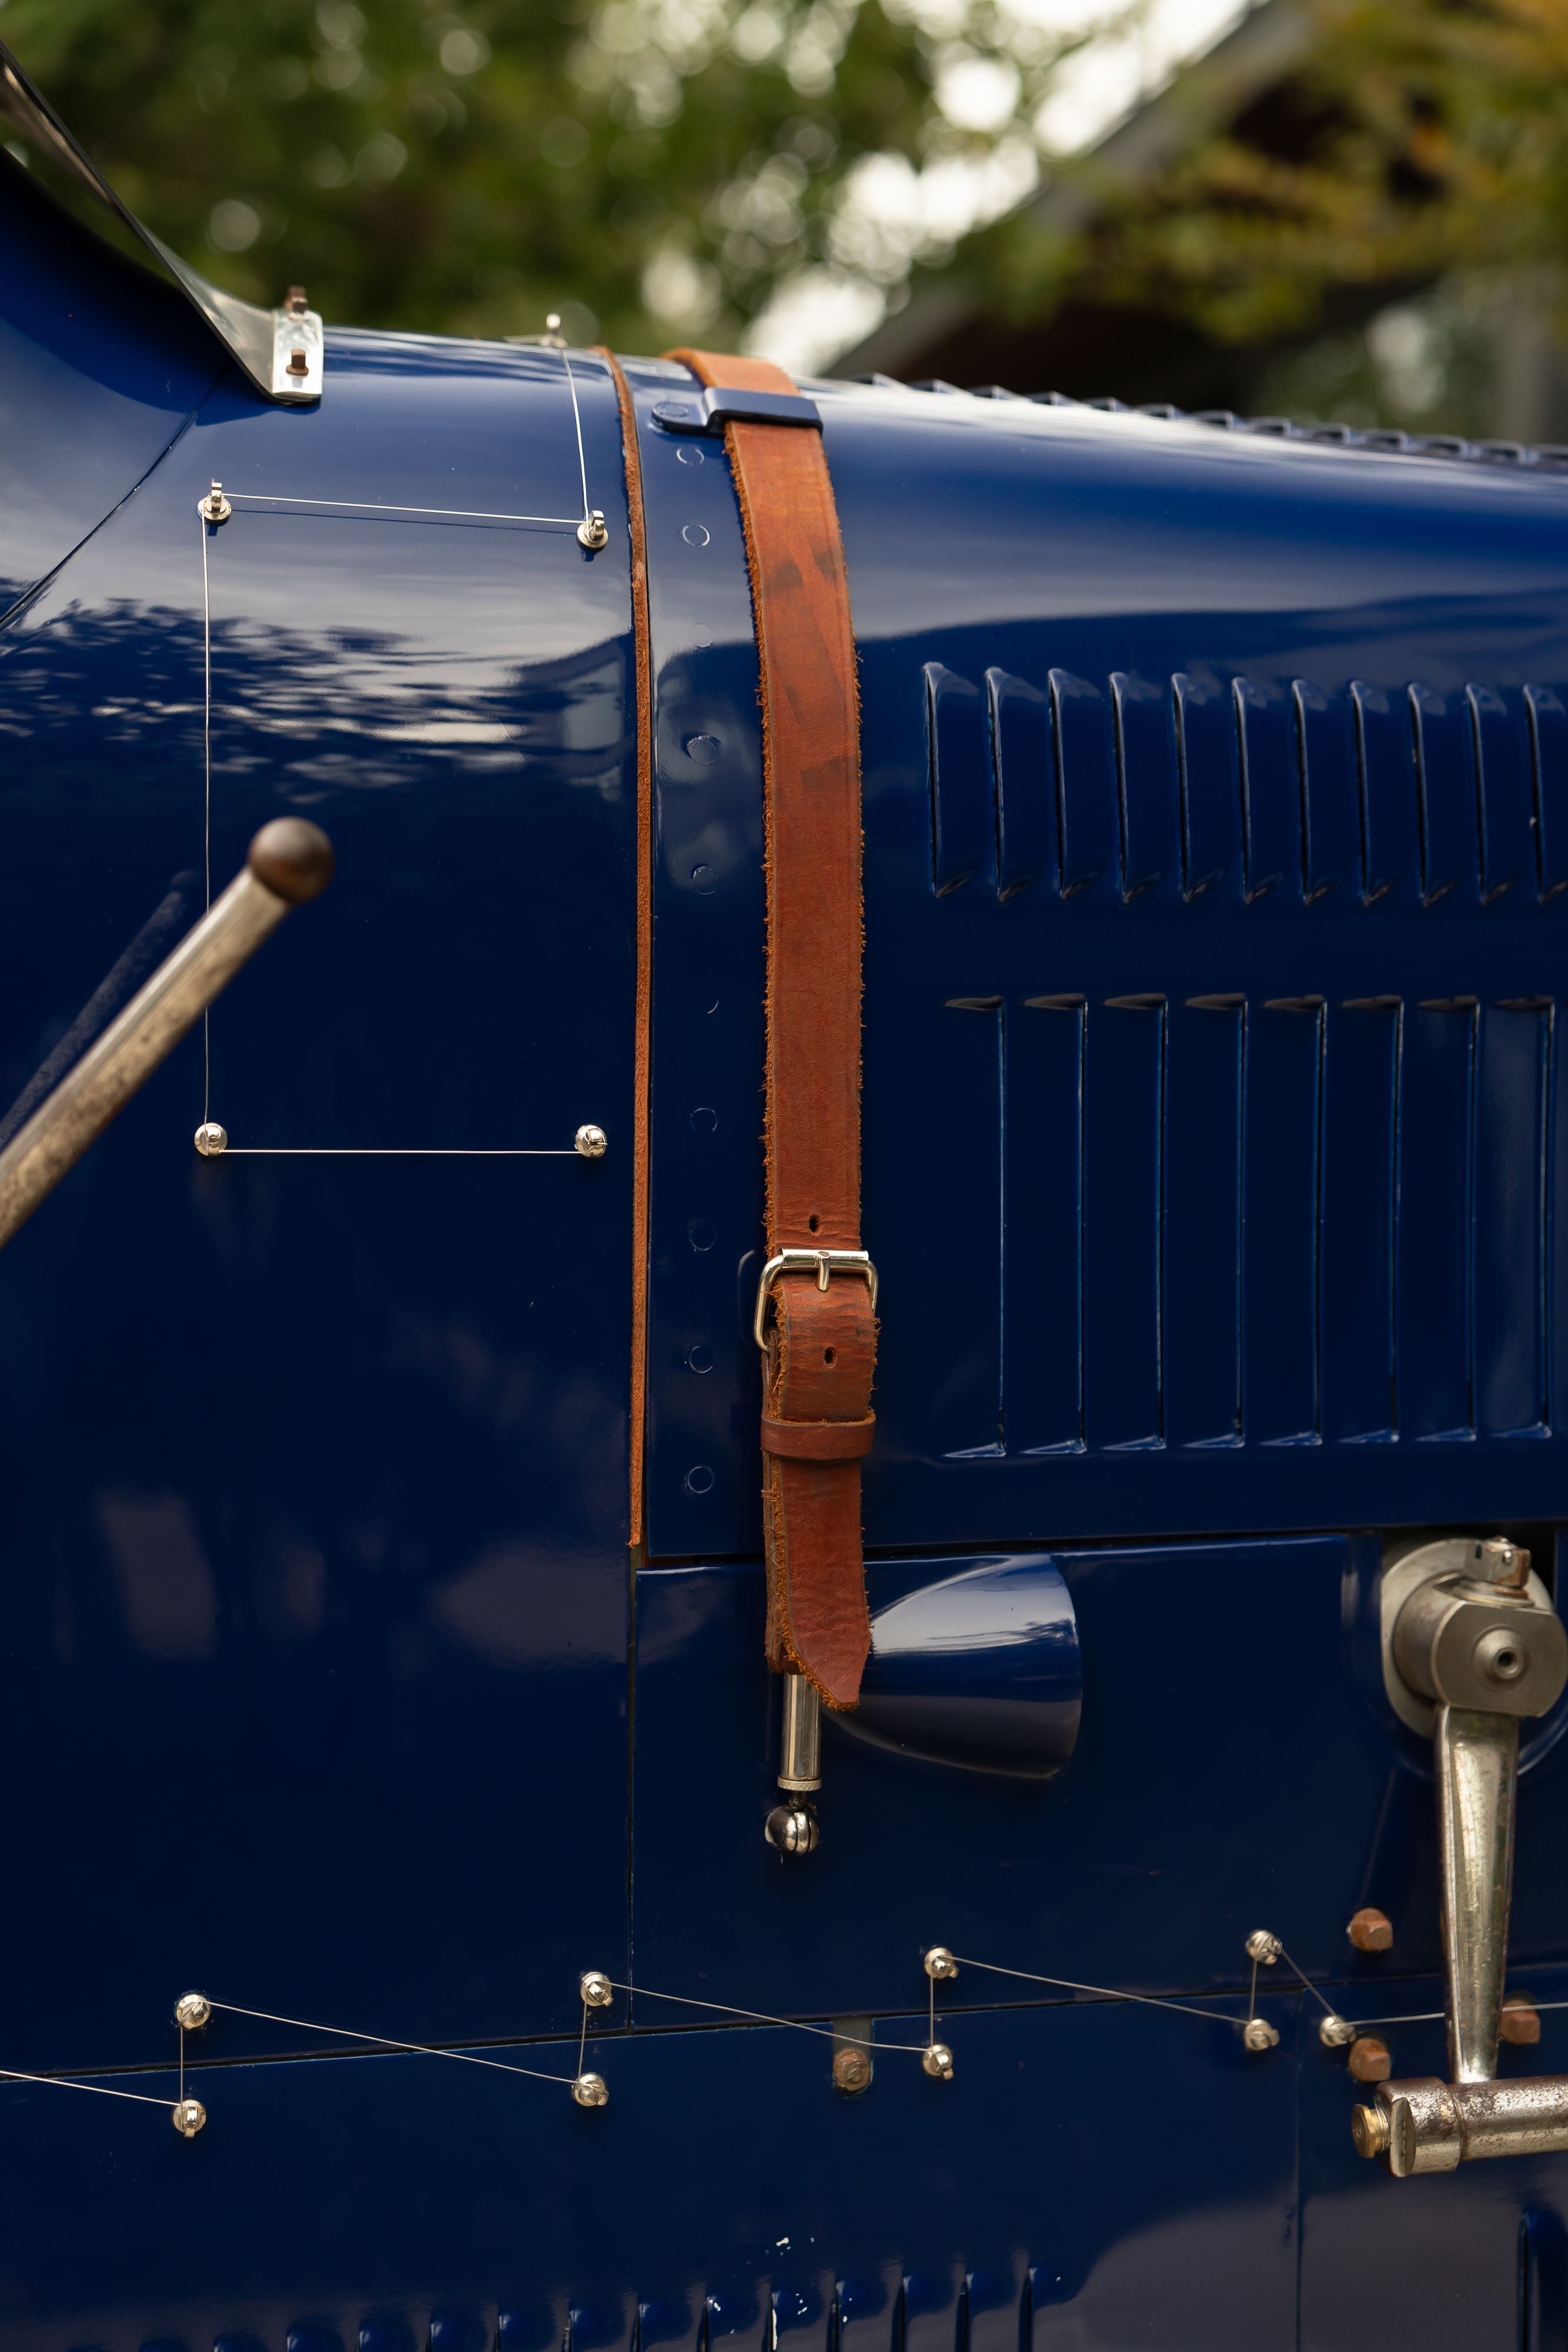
1335	2033
1259	2034
591	532
214	507
189	2115
1504	1564
591	1142
211	1139
940	1963
590	2091
1369	2060
937	2062
1520	2021
852	2070
299	364
596	1988
192	2011
1261	1946
1371	1930
792	1829
296	304
1369	2130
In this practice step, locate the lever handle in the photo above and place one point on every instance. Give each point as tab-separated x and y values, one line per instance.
289	862
1477	1757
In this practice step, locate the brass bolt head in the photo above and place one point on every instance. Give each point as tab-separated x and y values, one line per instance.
1371	1930
590	2091
1369	2130
940	1965
851	2069
191	2012
937	2062
596	1988
188	2117
1520	2021
1369	2060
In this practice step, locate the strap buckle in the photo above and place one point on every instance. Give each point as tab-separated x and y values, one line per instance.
823	1263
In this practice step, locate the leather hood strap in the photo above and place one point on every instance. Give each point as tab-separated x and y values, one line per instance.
822	1343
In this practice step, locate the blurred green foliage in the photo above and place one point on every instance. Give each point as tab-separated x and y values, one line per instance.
646	167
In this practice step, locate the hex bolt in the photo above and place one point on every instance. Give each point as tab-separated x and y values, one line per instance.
596	1988
1371	1930
937	2060
590	2091
1259	2034
191	2012
852	2070
1520	2021
1335	2033
1369	2060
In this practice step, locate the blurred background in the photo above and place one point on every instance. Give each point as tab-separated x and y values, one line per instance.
1335	209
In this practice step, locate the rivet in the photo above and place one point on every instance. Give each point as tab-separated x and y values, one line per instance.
591	1142
211	1139
940	1964
1262	1946
937	2060
1259	2034
852	2070
1369	2060
596	1988
214	507
590	2091
1335	2033
1370	1930
590	531
188	2117
192	2011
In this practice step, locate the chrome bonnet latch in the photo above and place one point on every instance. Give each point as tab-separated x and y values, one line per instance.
1472	1646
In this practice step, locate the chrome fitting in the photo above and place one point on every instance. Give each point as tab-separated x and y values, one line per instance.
1335	2033
591	532
590	2091
940	1964
191	2012
591	1142
188	2117
596	1988
1259	2034
214	507
211	1139
937	2060
792	1829
1263	1947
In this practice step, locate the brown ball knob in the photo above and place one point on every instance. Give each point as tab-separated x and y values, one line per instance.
293	858
1369	2059
1520	2021
1371	1931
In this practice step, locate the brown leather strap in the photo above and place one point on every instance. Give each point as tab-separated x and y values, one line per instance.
822	1344
818	1441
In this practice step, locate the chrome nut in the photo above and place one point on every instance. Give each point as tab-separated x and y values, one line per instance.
592	1142
211	1139
596	1988
590	531
792	1829
590	2091
937	2062
188	2117
192	2011
940	1964
1263	1947
1259	2034
1335	2033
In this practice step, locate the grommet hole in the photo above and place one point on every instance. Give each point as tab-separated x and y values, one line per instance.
830	1355
814	1224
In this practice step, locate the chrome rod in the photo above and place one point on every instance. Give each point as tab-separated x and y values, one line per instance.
289	862
800	1748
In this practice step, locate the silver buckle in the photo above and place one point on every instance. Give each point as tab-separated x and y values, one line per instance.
823	1262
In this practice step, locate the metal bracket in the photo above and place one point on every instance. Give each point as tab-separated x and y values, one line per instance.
720	405
298	350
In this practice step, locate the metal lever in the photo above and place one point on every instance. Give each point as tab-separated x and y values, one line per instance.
1486	1649
289	861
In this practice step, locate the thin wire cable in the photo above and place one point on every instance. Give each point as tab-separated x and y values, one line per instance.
1252	1988
207	816
576	420
1106	1992
388	2042
1307	1981
394	1151
182	2064
583	2039
376	506
761	2017
1419	2017
64	2083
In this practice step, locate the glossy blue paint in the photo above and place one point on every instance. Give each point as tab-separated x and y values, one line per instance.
1217	823
981	1670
